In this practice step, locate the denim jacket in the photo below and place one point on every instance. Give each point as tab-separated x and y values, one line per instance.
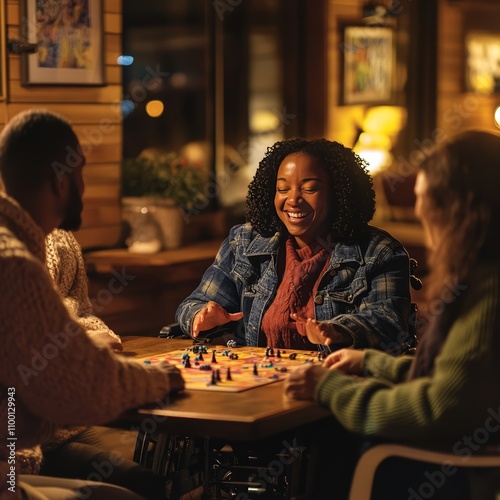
365	288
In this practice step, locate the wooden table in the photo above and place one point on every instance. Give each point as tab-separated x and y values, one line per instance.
248	415
252	415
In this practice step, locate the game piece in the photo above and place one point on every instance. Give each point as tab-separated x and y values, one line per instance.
200	356
271	351
228	374
321	355
214	380
278	354
147	362
196	349
267	352
213	357
231	343
242	363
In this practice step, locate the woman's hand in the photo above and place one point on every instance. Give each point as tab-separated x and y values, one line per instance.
302	381
349	361
212	315
320	332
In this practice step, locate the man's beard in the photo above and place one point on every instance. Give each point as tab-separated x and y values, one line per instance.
73	218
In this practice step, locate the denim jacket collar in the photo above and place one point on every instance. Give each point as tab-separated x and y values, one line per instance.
262	245
342	252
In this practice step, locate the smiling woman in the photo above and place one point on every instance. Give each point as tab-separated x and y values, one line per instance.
302	198
306	268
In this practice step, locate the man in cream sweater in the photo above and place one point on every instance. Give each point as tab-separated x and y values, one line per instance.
51	373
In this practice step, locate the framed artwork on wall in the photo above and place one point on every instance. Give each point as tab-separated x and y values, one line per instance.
482	62
69	42
368	62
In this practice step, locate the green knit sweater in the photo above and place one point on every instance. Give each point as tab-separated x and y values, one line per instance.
459	405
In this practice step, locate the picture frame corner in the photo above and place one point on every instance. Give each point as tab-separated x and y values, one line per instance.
72	71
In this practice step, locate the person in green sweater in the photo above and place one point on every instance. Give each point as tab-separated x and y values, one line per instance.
448	390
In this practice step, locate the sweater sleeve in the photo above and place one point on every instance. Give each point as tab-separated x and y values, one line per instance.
384	366
460	396
58	373
217	284
66	266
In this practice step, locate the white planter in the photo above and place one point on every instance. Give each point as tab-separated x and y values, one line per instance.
171	222
145	232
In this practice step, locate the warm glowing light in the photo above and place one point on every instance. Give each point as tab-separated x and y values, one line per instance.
374	149
154	108
497	117
264	121
377	159
388	120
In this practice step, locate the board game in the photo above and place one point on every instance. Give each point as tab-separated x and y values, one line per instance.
236	369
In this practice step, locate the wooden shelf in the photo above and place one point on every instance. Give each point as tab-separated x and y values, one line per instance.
153	287
103	261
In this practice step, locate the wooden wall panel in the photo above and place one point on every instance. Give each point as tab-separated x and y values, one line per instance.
342	121
95	114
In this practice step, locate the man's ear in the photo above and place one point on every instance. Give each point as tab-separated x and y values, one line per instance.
59	185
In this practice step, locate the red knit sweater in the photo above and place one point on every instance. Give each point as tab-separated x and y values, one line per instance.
301	271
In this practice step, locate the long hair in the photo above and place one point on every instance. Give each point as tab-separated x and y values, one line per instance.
352	195
463	177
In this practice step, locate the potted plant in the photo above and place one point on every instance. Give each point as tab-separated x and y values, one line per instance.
164	186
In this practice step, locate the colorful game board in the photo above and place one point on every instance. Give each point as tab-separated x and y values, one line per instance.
248	366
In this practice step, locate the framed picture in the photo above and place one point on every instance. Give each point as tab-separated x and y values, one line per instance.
482	66
368	65
69	40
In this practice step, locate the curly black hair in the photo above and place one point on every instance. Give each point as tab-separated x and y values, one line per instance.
352	197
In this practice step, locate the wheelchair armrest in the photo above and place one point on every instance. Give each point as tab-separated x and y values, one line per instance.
172	331
219	335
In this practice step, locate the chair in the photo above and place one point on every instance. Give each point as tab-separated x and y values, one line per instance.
175	458
366	468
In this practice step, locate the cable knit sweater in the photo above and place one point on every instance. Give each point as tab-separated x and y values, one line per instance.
453	404
64	260
66	266
51	373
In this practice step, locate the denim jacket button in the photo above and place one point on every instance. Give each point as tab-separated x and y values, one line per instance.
349	298
318	299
